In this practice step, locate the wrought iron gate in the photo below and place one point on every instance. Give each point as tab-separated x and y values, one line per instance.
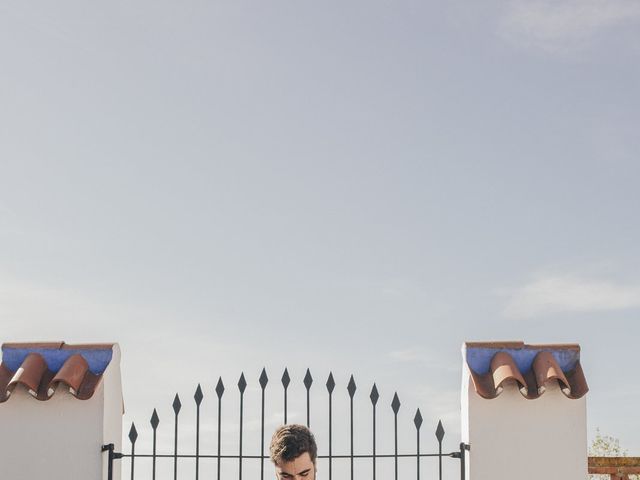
197	456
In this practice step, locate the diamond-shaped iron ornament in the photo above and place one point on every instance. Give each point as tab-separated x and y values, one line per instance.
374	395
198	396
417	420
286	380
133	433
154	419
177	405
263	379
395	404
440	431
308	379
331	384
351	388
219	388
242	383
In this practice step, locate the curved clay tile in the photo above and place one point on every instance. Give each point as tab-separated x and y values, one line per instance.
30	374
546	368
483	385
88	386
577	382
5	378
504	368
34	374
531	383
72	374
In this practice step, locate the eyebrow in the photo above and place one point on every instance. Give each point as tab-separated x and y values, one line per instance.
290	475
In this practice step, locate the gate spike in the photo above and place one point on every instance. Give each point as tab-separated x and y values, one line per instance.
308	379
154	419
374	395
331	384
440	431
219	388
176	404
198	396
286	380
351	388
133	433
417	420
395	404
263	379
242	383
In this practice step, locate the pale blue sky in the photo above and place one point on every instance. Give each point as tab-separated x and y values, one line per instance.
356	186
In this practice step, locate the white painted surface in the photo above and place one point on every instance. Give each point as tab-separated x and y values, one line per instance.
512	437
60	439
113	410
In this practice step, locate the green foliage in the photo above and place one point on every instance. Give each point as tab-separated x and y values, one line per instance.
606	446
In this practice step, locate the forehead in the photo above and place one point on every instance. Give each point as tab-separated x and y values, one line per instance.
295	466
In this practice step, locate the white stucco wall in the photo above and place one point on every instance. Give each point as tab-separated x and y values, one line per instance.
113	411
61	438
512	437
56	439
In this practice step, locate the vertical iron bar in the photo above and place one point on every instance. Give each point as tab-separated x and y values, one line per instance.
330	386
440	459
263	384
418	453
374	441
219	415
242	384
176	408
241	417
198	399
417	421
374	396
262	439
330	436
440	436
154	425
351	421
197	441
219	422
175	449
395	406
308	380
133	436
351	388
219	392
153	468
395	443
133	458
285	383
463	449
110	456
285	405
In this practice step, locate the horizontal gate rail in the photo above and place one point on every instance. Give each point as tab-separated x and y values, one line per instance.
241	456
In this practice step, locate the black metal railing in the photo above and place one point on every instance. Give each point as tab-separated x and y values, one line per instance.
197	456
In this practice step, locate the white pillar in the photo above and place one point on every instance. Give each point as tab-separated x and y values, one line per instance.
544	436
57	433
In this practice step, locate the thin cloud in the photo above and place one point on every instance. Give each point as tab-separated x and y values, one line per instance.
569	293
563	26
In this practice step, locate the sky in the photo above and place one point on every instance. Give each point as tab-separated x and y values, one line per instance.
356	187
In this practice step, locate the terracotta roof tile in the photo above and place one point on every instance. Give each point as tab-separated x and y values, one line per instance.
530	367
41	368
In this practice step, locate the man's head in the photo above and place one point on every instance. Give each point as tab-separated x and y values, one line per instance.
293	452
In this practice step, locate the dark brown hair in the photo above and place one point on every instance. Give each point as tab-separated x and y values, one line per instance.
291	441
